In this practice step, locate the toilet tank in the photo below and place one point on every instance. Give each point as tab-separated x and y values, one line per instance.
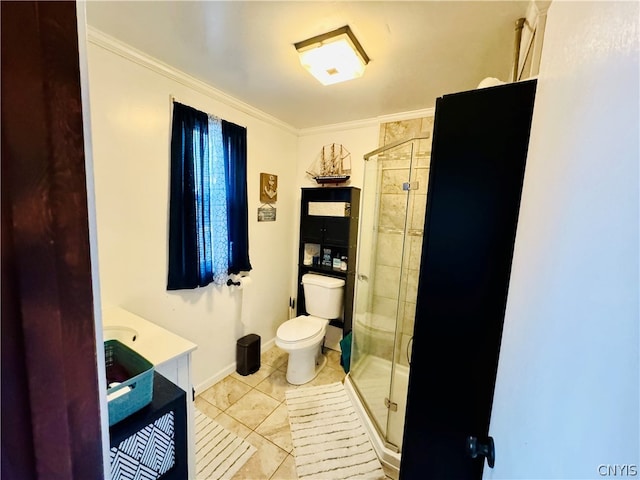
323	295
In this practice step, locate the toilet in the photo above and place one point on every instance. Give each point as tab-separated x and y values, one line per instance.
302	337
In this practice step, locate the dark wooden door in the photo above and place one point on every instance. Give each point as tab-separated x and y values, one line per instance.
50	397
477	166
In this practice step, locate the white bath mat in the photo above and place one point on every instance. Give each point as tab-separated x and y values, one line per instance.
219	452
329	441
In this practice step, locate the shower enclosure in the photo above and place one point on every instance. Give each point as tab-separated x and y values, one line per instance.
393	207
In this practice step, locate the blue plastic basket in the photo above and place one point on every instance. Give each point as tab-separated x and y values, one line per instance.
133	373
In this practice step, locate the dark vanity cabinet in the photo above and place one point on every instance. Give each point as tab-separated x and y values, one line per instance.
329	223
152	442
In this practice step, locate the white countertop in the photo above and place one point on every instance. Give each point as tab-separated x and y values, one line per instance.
153	342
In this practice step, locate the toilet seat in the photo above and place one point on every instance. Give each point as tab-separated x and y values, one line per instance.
301	328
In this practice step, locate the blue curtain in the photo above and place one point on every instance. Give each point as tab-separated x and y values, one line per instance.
235	153
208	219
187	144
198	232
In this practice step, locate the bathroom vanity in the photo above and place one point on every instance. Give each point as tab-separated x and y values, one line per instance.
169	353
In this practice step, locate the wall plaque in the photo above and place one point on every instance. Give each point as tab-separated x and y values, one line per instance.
267	214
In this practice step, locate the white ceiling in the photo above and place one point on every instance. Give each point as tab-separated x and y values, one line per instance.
419	50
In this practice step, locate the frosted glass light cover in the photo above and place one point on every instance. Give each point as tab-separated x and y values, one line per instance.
333	62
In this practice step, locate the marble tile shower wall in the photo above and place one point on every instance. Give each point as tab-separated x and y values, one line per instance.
398	256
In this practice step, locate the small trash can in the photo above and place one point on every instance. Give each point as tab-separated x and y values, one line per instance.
248	354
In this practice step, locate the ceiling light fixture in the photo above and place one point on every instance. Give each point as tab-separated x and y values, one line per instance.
333	57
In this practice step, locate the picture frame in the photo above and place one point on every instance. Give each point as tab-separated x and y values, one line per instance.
268	188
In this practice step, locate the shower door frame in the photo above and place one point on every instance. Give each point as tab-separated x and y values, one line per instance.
383	430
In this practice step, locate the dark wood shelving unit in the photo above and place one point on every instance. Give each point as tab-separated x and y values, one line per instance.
339	233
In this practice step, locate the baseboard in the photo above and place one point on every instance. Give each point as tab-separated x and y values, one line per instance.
228	370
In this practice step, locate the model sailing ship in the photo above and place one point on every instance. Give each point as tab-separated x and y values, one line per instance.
333	165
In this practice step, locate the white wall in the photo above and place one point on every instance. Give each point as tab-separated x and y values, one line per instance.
93	239
567	393
131	117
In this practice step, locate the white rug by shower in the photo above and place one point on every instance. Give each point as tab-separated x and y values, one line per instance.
329	441
219	453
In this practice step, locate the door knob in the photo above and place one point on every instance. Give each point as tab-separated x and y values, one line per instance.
487	449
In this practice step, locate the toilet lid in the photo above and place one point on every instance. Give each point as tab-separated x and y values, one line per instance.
299	328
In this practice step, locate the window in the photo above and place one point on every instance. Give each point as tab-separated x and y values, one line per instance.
208	220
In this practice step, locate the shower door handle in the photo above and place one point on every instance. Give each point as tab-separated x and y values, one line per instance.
406	186
487	449
364	278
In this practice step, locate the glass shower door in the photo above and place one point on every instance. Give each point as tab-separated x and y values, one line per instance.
387	254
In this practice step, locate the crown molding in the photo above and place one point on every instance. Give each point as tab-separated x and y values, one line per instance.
369	122
126	51
117	47
398	117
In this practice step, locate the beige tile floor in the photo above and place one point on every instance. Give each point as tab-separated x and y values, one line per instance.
254	408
